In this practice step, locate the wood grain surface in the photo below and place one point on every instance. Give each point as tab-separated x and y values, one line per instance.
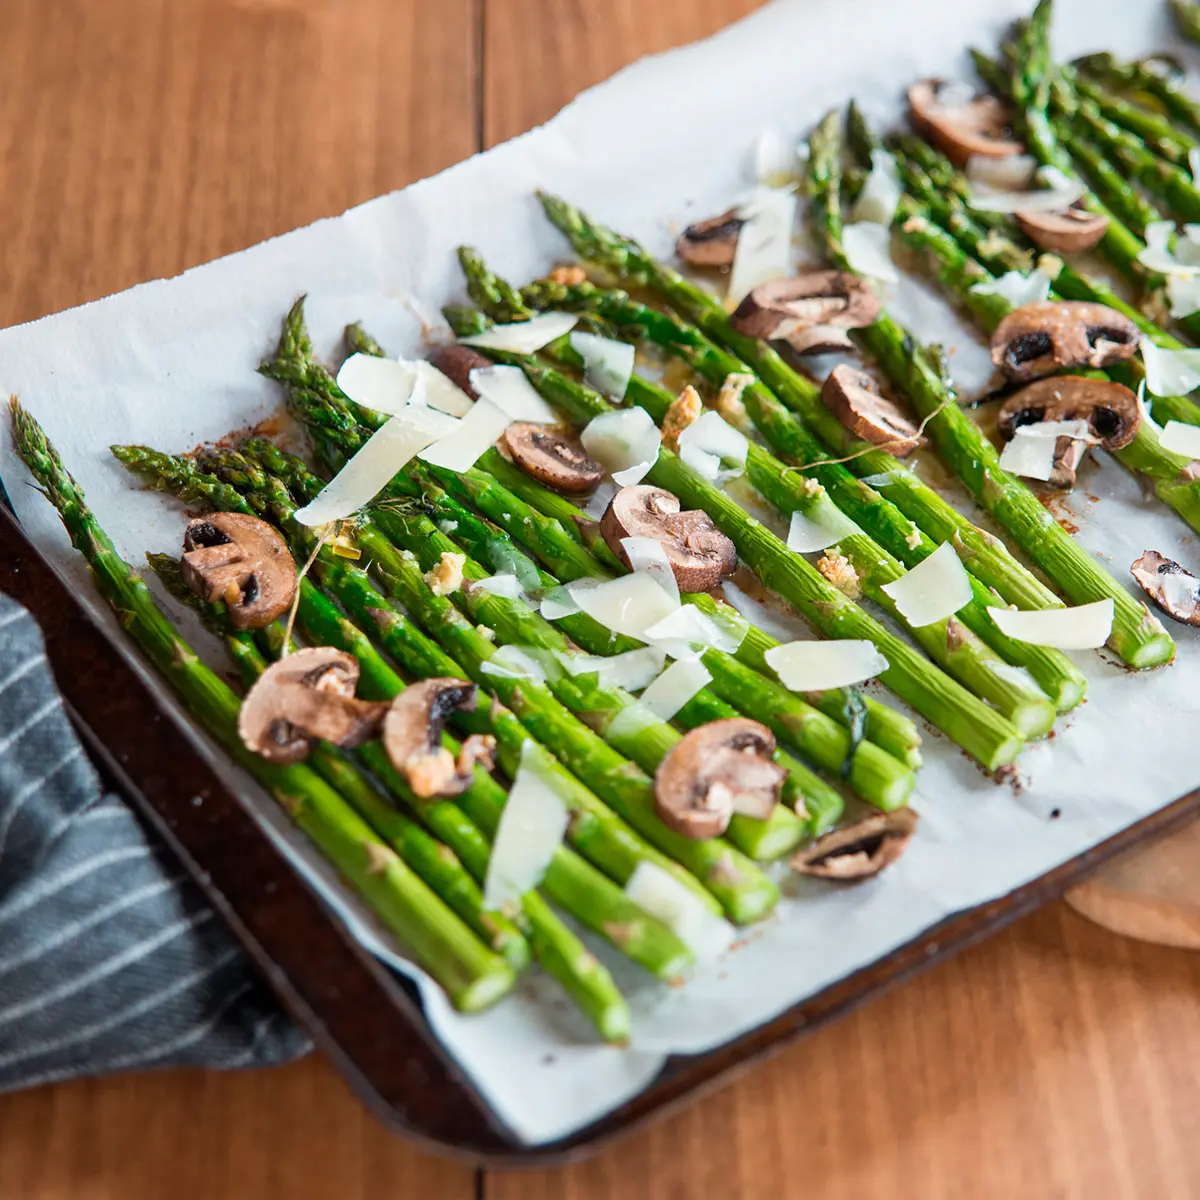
140	137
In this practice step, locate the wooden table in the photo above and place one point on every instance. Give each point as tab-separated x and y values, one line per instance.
140	137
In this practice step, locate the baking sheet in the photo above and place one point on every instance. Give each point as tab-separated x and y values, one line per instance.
171	364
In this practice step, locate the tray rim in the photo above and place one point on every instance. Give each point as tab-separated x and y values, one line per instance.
369	1022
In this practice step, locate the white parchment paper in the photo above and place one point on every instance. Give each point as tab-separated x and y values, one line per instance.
171	363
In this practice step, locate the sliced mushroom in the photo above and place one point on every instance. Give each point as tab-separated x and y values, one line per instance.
1066	232
412	737
1110	409
810	312
558	462
711	243
981	126
1174	590
243	562
457	362
860	850
699	553
1040	338
714	771
306	697
853	397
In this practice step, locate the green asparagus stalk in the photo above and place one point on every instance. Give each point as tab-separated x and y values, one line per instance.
1159	134
594	830
472	975
1145	81
1137	636
1187	19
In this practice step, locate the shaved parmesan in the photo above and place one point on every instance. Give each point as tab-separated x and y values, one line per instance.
509	389
824	525
676	686
1054	199
524	337
521	662
624	442
936	588
1194	163
1086	627
687	629
868	251
531	829
384	385
558	603
1031	451
775	160
440	392
1181	438
599	500
713	448
658	893
647	554
880	480
817	666
1170	372
1183	291
607	363
503	584
1016	288
1012	173
764	245
880	195
475	433
630	605
371	469
632	671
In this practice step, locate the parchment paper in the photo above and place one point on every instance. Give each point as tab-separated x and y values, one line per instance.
171	363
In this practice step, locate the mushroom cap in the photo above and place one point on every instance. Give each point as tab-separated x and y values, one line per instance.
1074	229
457	362
711	243
1038	339
560	463
412	737
982	126
811	312
860	850
1110	409
699	553
716	770
242	561
853	397
1173	589
308	695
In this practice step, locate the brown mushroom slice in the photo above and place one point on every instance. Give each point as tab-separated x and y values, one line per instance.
241	561
714	771
1110	409
699	553
306	697
1040	338
1067	232
811	312
853	397
711	243
558	462
1173	589
457	362
980	126
412	737
860	850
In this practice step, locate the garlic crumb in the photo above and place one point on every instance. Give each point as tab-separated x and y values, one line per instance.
837	568
729	400
684	411
913	540
447	576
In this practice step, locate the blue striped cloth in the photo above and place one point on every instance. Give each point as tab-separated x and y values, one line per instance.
110	959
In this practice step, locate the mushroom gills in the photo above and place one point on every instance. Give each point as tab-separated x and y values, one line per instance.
558	462
715	770
860	850
1172	588
699	554
306	697
412	737
238	560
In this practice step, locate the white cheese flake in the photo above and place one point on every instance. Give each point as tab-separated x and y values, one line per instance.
524	337
822	526
1170	372
624	442
1181	438
881	192
607	363
764	245
805	666
713	448
1016	288
1084	627
475	433
868	250
936	588
509	389
658	893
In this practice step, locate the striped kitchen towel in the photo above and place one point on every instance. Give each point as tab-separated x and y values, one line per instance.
110	959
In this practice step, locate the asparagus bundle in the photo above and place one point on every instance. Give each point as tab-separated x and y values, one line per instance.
473	975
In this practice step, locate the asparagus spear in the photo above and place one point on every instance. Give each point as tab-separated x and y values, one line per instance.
1137	636
1141	78
1158	133
472	975
990	560
594	830
744	892
895	535
1187	18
